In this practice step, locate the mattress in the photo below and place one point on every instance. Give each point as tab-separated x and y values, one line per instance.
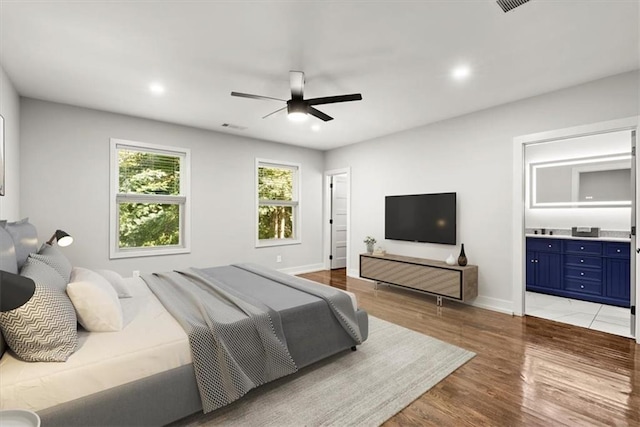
151	342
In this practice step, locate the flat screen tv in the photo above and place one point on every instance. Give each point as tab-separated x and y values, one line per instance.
429	218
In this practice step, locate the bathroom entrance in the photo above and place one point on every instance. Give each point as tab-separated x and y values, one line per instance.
578	230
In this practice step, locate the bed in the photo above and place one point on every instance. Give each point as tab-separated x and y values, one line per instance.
144	373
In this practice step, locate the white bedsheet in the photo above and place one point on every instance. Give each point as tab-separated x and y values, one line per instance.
151	342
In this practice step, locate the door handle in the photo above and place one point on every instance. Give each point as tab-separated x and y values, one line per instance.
638	250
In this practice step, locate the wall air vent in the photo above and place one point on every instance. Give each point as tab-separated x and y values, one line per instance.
508	5
234	127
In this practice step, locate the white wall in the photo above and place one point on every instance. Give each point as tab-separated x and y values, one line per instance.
618	218
471	155
65	184
10	111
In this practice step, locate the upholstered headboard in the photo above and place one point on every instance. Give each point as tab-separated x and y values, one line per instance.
17	240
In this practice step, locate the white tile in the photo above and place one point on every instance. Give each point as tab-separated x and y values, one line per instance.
577	319
611	328
586	307
547	313
616	320
613	311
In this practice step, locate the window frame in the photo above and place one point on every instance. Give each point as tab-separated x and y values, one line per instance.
295	203
115	198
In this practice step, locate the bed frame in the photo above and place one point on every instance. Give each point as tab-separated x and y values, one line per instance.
159	399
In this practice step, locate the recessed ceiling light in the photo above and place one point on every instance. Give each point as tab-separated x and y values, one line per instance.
315	128
461	72
156	88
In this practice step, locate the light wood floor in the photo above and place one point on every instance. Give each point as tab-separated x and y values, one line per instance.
527	371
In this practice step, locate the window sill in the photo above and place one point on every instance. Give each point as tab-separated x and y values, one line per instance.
135	253
271	243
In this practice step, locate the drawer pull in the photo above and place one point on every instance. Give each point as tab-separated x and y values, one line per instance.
582	274
581	260
549	245
582	248
618	250
581	286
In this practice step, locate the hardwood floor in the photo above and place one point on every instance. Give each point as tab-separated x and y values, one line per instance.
527	371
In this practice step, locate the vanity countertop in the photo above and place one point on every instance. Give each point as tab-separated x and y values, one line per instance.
564	236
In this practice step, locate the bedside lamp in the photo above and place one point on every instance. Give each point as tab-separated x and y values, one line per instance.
15	290
62	237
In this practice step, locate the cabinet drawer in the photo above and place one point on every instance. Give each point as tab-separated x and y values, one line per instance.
583	247
583	286
543	245
583	273
583	261
618	250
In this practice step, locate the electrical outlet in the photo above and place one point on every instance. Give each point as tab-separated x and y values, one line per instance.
136	273
278	258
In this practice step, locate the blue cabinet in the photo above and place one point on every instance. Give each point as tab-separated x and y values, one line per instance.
544	264
597	271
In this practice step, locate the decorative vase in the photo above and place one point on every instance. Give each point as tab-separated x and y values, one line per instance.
462	259
451	260
370	248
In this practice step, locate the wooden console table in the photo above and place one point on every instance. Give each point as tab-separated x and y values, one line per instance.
424	275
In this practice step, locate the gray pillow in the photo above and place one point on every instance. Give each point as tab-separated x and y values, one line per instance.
54	258
45	328
8	261
25	239
39	271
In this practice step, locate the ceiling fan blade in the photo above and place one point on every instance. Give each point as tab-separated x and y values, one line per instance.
248	95
277	111
296	79
319	114
334	99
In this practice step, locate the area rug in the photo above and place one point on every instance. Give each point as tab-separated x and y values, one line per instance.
364	387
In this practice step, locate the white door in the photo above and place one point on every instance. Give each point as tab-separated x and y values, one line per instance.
634	238
338	221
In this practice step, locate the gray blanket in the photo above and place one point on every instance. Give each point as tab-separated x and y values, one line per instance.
237	342
235	345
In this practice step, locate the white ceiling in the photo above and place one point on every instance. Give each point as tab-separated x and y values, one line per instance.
398	54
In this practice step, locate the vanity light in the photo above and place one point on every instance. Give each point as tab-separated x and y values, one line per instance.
156	88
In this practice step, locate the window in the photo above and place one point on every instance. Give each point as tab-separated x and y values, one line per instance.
149	199
278	203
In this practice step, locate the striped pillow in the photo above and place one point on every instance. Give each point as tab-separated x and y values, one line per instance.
45	328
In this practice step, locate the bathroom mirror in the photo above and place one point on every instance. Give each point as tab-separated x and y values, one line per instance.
587	182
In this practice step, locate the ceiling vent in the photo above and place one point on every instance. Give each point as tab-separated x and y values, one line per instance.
508	5
234	127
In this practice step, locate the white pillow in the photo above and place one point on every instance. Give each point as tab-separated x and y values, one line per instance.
117	282
96	302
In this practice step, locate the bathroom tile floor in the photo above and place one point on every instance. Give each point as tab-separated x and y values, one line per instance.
605	318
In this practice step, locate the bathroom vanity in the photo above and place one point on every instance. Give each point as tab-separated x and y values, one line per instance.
593	269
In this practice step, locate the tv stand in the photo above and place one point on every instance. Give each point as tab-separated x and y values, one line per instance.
423	275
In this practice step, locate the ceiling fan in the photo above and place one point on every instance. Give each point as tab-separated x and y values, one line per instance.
299	108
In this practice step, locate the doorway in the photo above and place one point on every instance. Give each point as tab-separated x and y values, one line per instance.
556	278
337	220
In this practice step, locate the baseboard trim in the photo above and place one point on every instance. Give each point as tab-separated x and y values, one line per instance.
493	304
301	269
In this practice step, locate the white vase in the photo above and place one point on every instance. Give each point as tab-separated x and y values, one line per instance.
450	260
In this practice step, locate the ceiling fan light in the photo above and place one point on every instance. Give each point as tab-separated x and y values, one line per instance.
297	116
